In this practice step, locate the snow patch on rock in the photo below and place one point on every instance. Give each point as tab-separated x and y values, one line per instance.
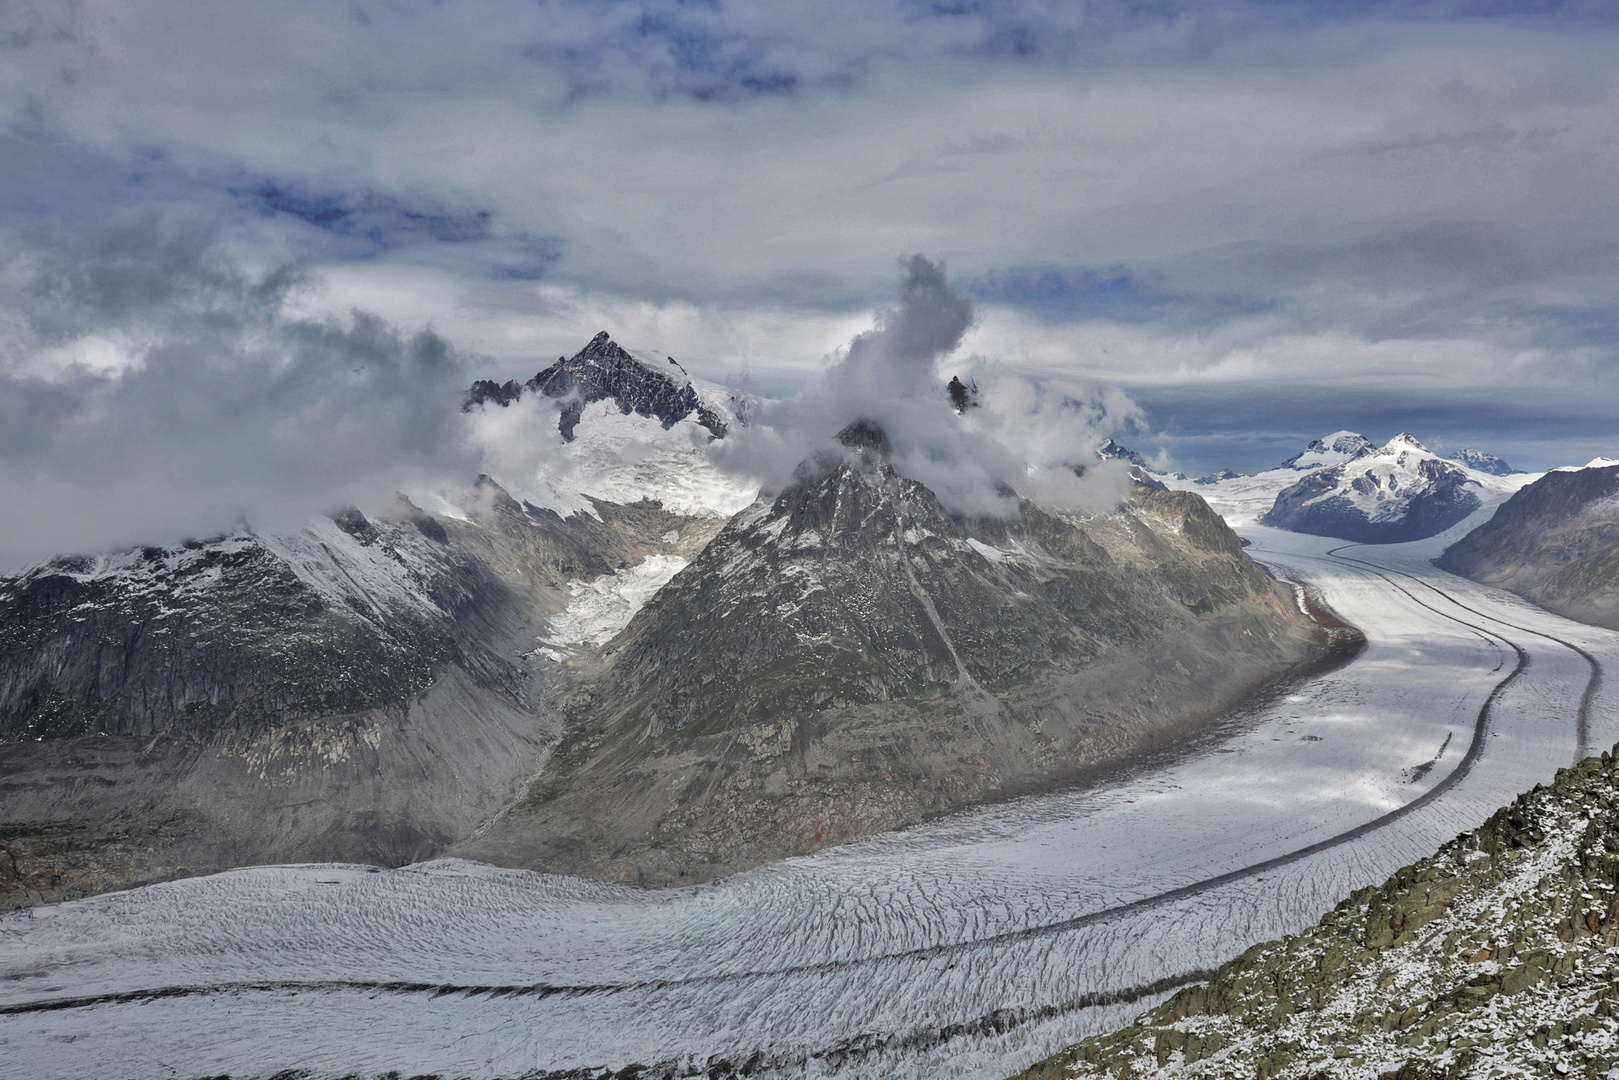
598	610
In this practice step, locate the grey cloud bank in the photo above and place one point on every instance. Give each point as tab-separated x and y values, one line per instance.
1245	214
152	387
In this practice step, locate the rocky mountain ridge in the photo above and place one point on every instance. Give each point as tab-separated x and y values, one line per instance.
603	371
1555	542
848	657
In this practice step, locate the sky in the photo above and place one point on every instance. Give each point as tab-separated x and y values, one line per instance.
248	252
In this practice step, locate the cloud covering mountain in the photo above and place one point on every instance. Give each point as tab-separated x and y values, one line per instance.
1263	220
155	386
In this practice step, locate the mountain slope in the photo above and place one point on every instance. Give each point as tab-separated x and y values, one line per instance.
364	689
1555	542
1402	491
847	658
1495	957
360	691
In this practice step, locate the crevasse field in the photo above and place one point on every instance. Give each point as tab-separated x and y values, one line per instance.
967	947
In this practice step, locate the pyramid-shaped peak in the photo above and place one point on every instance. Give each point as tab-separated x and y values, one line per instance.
602	347
866	434
1405	441
602	371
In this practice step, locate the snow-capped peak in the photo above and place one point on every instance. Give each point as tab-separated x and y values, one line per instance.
1404	441
1330	450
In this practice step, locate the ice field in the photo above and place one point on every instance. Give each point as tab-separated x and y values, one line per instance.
967	947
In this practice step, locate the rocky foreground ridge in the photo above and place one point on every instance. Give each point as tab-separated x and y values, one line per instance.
1497	957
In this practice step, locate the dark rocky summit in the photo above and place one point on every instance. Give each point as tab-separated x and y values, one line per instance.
848	657
602	371
1495	957
963	396
1555	542
1112	451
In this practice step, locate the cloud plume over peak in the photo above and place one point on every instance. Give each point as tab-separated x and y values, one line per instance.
1025	435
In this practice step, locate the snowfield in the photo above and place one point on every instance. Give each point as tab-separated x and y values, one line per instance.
969	946
597	610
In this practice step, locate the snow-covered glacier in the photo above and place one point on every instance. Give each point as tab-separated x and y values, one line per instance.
968	946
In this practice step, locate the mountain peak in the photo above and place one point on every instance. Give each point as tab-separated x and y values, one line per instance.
1112	451
603	371
1330	450
866	434
1405	441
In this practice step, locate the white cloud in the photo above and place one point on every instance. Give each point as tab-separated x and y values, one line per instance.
1424	206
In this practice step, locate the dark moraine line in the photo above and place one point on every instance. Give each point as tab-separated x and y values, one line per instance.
1582	716
1474	750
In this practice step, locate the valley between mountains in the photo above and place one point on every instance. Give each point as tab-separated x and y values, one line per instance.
951	948
622	665
616	767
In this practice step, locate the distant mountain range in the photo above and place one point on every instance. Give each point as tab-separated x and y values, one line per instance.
1399	491
1344	485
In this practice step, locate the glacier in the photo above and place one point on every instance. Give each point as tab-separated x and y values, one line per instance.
968	946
